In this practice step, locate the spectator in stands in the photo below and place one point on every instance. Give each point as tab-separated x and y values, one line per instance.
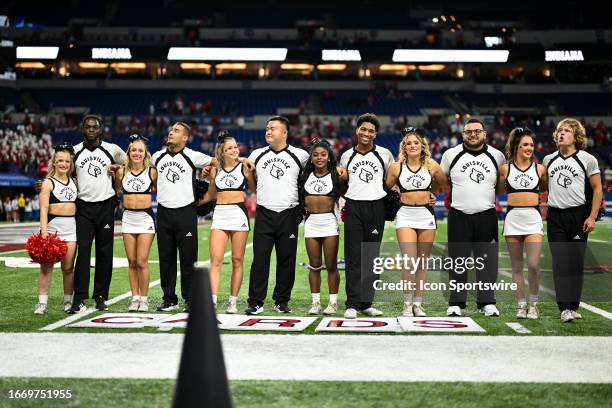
8	209
15	209
28	209
35	208
21	203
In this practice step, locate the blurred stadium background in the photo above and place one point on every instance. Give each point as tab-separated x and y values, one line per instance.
144	64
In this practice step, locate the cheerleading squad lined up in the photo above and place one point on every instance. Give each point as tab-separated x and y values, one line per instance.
291	186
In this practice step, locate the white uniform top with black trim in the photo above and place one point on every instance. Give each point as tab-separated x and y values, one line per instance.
568	178
409	180
473	177
277	176
62	193
232	180
176	174
319	186
140	183
95	184
522	181
366	173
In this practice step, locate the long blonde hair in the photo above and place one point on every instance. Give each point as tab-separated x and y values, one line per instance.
425	157
579	132
51	172
223	138
127	162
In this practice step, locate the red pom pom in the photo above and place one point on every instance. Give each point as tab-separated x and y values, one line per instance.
46	251
342	212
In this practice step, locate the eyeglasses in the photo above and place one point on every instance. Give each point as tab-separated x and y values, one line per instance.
476	132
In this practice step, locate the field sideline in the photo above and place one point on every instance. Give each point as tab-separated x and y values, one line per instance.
18	297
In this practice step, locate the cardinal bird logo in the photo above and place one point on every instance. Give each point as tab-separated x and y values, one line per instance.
365	175
172	176
524	183
476	176
564	180
229	182
276	172
416	183
94	170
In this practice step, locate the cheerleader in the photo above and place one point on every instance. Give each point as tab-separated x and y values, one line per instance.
57	215
136	178
319	191
416	175
574	198
230	218
522	179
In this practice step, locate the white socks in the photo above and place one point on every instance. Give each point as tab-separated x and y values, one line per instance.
316	297
333	298
68	298
214	299
233	300
43	299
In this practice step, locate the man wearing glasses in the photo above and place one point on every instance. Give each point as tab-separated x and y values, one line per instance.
472	169
96	201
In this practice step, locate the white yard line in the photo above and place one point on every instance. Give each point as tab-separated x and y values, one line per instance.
91	310
537	359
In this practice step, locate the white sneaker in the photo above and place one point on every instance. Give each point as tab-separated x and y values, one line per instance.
533	313
232	308
418	311
67	306
407	310
134	305
567	316
522	312
143	306
454	311
350	313
315	308
490	311
576	315
331	309
372	312
41	308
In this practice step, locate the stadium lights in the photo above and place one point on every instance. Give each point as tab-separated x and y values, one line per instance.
30	65
301	67
563	55
331	67
93	65
432	67
396	67
37	52
340	55
227	54
128	65
231	67
414	55
194	66
111	53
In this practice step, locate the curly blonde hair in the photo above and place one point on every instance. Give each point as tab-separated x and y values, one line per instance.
579	132
425	153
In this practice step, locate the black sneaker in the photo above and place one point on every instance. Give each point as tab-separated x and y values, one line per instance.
100	303
168	306
77	307
282	308
254	310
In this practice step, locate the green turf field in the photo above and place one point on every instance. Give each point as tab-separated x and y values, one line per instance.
18	297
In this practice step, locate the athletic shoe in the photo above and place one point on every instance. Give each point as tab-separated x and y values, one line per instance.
232	308
350	313
533	313
567	316
134	305
315	308
187	307
282	308
576	315
522	312
407	310
67	306
254	310
167	306
490	311
331	309
372	312
100	303
41	308
418	311
143	306
77	308
454	311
